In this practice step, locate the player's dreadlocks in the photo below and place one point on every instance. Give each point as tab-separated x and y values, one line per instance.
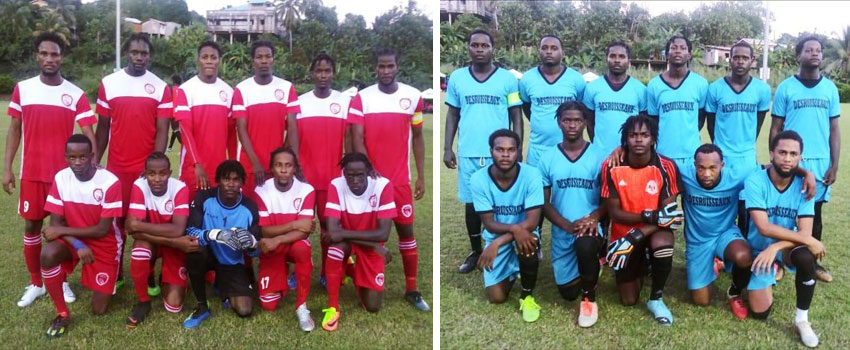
632	123
228	167
298	173
359	157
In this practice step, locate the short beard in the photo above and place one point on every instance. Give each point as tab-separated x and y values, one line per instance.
783	174
508	169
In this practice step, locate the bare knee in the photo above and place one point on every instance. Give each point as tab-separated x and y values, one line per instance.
700	299
32	226
242	306
50	254
372	307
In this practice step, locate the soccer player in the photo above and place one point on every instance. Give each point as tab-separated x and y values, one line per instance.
676	99
322	126
139	104
542	89
386	120
808	104
202	107
482	98
509	195
157	216
360	209
640	196
226	224
781	229
570	172
285	205
264	107
43	111
613	99
83	203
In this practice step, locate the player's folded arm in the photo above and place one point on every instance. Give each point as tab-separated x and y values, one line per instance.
380	234
174	229
95	231
768	229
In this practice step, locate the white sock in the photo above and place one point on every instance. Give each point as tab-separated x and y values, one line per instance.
802	316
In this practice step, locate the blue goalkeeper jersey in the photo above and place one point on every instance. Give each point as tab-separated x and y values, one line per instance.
736	115
483	107
807	110
207	213
612	108
509	205
574	183
545	97
710	211
782	207
678	113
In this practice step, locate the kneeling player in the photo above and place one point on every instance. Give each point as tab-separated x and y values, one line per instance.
570	173
286	218
776	207
226	224
508	196
157	215
640	196
83	204
360	210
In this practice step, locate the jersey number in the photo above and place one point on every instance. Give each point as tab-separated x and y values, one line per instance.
264	282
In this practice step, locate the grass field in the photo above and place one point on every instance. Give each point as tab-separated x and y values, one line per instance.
469	322
398	325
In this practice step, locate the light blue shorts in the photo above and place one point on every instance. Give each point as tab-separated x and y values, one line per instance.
466	166
506	264
700	257
818	167
741	166
564	260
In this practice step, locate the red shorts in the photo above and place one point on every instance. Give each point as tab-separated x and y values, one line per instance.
98	276
403	197
273	269
368	268
321	202
32	200
127	179
173	265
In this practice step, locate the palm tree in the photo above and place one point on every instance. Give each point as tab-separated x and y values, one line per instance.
52	21
66	9
20	14
288	12
841	52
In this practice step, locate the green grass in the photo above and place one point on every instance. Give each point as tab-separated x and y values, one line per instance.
469	322
397	325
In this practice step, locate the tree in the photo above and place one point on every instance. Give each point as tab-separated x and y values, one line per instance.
314	10
839	50
724	23
288	13
67	9
51	21
516	25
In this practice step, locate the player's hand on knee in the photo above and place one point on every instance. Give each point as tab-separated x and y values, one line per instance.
85	254
526	241
620	250
50	233
764	261
816	247
267	245
485	260
246	239
388	257
668	217
226	237
303	225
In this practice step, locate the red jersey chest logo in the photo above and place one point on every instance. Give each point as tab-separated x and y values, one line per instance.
67	100
335	108
297	204
149	88
222	95
169	206
373	201
404	103
652	187
97	194
279	95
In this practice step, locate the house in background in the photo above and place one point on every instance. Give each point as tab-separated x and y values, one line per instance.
483	9
244	22
160	29
719	55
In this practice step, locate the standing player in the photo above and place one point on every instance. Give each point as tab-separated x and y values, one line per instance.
781	229
359	210
264	107
509	195
43	110
570	173
322	126
640	196
202	107
159	210
676	99
285	205
808	104
613	99
134	109
482	98
83	203
386	120
226	224
542	89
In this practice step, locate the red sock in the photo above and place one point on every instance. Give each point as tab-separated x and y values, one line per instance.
409	259
53	278
300	254
32	255
140	269
269	301
333	274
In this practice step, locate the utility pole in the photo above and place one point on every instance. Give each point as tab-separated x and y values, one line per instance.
765	71
117	35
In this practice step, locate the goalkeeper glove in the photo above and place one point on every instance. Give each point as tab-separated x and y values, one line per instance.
225	237
620	250
245	238
667	217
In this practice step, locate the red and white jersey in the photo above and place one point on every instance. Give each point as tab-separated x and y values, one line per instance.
265	107
321	131
47	115
360	213
133	104
84	203
146	206
207	108
278	208
386	120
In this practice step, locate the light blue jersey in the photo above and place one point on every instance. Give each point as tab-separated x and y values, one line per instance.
545	97
710	211
782	207
808	111
737	115
612	108
678	114
483	107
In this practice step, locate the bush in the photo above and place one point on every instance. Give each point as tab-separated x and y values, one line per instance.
843	92
7	84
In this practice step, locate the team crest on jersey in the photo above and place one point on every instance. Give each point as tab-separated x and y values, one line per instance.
373	201
297	204
101	278
404	103
379	279
335	108
278	94
67	100
222	95
97	194
169	206
652	187
182	273
407	210
149	88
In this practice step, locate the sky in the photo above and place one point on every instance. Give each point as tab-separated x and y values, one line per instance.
369	10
